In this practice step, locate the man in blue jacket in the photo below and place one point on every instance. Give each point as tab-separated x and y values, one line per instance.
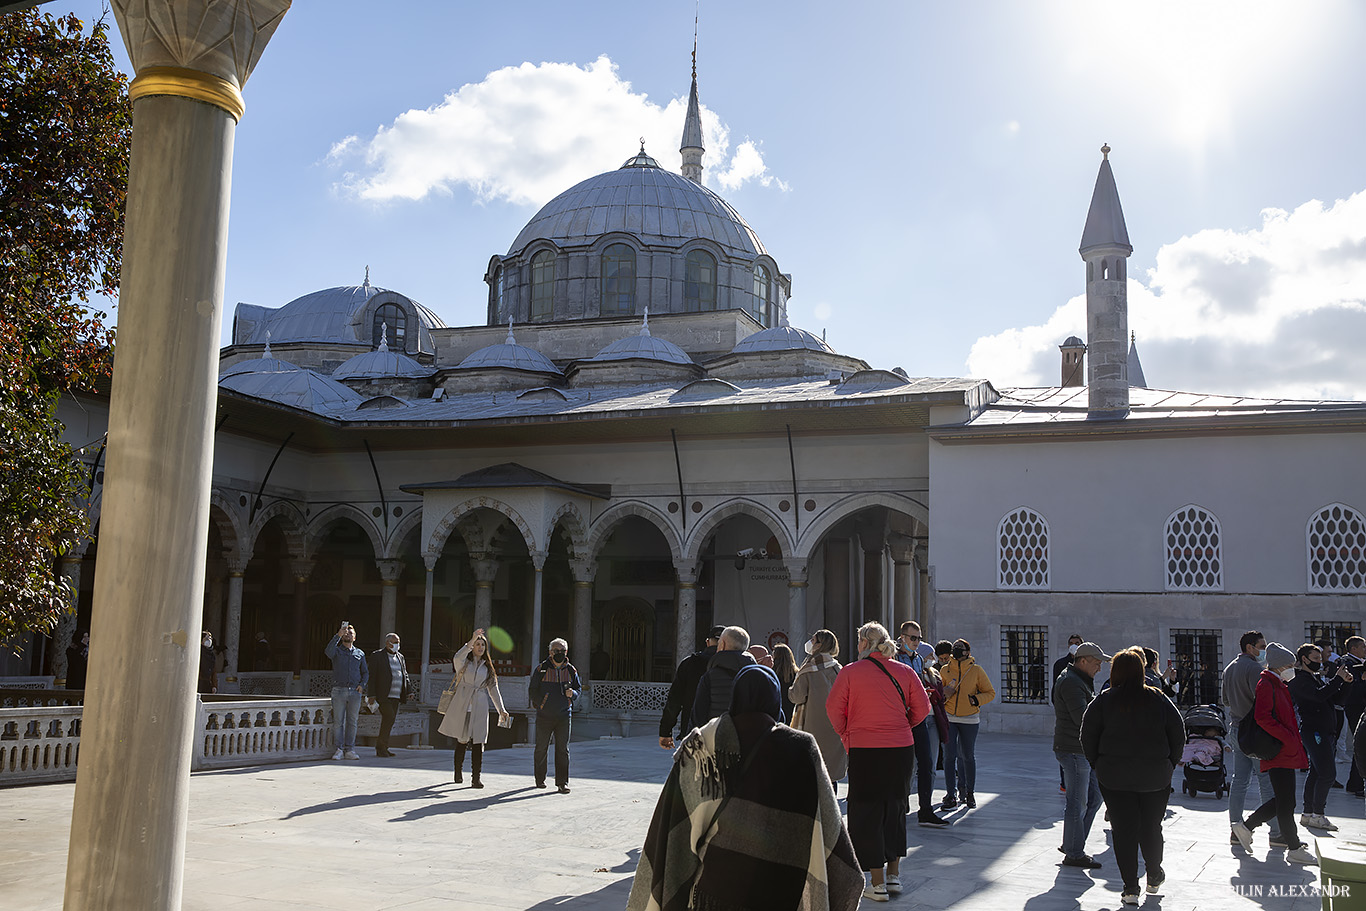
350	674
553	690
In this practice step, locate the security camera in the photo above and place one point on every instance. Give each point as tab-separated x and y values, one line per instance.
746	553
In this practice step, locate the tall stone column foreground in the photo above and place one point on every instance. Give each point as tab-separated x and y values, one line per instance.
128	825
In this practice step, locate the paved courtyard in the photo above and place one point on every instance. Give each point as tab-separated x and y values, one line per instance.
397	834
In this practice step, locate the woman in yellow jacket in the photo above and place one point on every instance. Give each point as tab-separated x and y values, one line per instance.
966	690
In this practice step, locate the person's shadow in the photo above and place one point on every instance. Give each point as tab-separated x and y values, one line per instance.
446	807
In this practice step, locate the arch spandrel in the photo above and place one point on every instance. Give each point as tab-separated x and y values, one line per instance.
400	532
576	529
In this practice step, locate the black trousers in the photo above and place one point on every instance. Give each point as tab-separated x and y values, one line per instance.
924	765
1281	805
388	709
1354	780
1136	824
548	726
876	806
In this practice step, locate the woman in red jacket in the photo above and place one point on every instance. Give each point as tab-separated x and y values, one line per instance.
873	705
1276	714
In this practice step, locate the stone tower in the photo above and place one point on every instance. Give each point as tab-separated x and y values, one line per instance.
1073	350
691	148
1105	248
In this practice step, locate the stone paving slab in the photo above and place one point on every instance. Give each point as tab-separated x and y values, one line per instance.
397	834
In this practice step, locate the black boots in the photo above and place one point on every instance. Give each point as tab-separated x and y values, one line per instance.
459	761
476	765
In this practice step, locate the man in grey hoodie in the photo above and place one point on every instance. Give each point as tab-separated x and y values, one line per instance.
1239	692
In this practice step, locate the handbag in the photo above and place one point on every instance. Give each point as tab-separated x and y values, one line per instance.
899	691
1256	741
447	694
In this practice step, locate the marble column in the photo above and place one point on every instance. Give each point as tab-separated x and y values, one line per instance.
485	572
301	570
903	608
582	622
430	561
796	601
873	609
128	820
837	587
66	623
922	601
389	573
232	624
215	571
685	633
537	587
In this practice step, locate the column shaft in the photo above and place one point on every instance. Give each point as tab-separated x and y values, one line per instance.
427	628
583	622
536	615
685	634
232	632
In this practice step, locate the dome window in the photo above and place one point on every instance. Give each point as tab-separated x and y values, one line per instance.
392	316
618	280
498	314
699	282
762	308
542	286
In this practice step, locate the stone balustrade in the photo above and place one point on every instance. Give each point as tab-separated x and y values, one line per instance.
27	683
39	743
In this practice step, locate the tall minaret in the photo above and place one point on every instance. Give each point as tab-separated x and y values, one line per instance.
692	128
1105	248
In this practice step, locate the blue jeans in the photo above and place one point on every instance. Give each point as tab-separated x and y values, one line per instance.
1244	770
345	713
1076	820
1323	769
960	758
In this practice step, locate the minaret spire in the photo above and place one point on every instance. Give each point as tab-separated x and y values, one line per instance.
1105	248
692	147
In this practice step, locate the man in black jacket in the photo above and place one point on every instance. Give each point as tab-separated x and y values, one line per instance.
1073	692
678	705
714	689
553	689
390	685
1314	701
1355	704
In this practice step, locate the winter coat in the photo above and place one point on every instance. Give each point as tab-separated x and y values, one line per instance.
867	711
382	675
1314	700
1239	686
1133	746
713	690
974	688
546	689
1276	715
1071	695
678	705
808	693
467	716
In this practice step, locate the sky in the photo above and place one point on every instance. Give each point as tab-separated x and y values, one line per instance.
922	170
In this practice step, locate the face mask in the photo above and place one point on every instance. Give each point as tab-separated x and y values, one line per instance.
1072	649
960	653
208	642
1314	666
393	646
1287	674
558	656
810	647
1261	657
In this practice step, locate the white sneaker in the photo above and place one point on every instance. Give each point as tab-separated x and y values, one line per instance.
1243	834
893	884
351	754
876	893
1309	820
1325	823
1302	855
337	755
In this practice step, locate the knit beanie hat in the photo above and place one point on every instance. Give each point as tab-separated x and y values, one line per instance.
1278	656
757	690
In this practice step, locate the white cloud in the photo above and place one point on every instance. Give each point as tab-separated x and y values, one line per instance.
529	132
1278	310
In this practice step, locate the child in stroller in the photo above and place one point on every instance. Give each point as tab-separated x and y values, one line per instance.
1203	757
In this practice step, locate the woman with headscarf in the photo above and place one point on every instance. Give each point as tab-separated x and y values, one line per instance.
467	716
1133	736
808	693
873	706
744	779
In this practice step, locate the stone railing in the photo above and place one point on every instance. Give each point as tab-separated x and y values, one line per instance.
628	696
284	683
27	683
11	698
39	743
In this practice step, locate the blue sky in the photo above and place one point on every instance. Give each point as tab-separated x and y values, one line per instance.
921	169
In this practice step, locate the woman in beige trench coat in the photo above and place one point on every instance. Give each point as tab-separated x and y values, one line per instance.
467	716
808	693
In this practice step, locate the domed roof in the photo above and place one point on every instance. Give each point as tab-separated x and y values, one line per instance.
328	315
265	364
510	355
299	388
379	363
644	346
1073	342
644	200
782	338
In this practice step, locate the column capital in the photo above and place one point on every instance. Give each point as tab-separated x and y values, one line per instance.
429	560
901	547
687	574
235	563
389	570
301	569
538	560
796	572
485	568
585	571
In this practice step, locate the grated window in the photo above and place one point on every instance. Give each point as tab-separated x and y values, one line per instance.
1024	664
1022	550
1197	655
1336	536
1335	631
1194	548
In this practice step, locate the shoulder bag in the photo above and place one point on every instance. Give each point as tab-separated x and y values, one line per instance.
1256	741
899	691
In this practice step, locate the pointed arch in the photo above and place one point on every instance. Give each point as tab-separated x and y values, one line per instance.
295	525
400	533
323	522
576	529
437	542
227	517
713	519
610	518
831	515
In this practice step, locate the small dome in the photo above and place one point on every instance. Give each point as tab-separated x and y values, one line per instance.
378	364
265	364
329	315
644	346
782	338
298	388
510	355
1073	342
640	160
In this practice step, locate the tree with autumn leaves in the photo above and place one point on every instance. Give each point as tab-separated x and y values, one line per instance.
65	134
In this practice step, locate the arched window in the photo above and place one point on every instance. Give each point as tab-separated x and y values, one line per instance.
1195	551
542	286
699	282
618	280
498	298
1336	536
1022	550
392	316
762	308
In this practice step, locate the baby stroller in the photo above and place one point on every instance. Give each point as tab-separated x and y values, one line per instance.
1206	728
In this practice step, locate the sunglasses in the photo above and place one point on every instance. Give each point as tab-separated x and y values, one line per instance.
913	638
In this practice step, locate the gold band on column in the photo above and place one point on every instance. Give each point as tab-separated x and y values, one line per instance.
187	83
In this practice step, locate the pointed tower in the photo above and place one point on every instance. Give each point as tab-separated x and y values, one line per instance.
691	148
1105	248
1136	379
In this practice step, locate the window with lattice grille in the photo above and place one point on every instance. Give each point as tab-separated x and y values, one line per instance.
1197	655
1024	664
1022	550
1195	551
1335	631
1336	536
